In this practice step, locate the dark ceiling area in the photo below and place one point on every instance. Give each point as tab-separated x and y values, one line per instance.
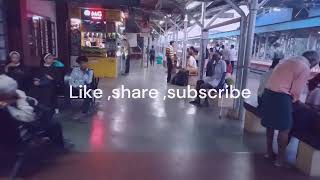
156	10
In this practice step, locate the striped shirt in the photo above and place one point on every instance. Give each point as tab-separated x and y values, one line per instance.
170	52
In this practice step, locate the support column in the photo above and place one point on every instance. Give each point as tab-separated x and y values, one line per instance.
240	62
259	46
286	41
312	41
63	29
266	47
204	37
185	36
165	44
14	12
250	36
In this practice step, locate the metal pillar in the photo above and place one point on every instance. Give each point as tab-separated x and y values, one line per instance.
242	42
202	43
177	35
266	47
185	36
259	46
253	51
165	38
148	50
240	62
285	48
248	50
312	40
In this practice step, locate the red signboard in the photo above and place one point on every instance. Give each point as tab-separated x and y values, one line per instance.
92	14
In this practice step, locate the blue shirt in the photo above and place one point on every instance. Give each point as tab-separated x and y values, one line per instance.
79	77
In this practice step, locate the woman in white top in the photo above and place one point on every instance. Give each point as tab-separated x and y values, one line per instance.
192	63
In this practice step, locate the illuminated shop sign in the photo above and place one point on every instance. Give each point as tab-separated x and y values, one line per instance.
92	14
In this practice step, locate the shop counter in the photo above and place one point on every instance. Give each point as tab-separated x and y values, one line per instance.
103	67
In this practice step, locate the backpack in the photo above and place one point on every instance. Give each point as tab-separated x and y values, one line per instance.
181	78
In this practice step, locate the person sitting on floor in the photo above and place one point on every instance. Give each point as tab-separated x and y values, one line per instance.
16	70
216	81
80	76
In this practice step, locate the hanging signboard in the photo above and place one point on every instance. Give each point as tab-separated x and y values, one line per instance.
93	14
113	15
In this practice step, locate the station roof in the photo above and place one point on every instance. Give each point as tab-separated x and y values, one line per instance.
156	10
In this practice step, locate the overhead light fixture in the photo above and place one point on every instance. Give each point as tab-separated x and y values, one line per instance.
196	15
186	18
75	21
276	9
161	22
193	5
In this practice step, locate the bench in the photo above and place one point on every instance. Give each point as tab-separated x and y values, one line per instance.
252	122
308	156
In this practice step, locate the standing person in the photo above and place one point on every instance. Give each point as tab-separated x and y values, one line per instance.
217	48
278	53
264	79
170	59
127	55
122	61
282	90
225	53
152	54
233	57
16	70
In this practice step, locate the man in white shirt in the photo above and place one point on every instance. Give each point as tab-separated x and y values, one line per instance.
217	81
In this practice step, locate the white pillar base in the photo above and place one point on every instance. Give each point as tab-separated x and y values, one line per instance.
308	160
252	123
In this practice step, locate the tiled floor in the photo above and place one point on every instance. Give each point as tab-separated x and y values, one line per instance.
153	139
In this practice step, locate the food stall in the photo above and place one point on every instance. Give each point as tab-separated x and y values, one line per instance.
95	33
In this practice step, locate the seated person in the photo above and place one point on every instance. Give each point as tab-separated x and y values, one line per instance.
81	75
16	70
192	64
45	83
307	116
216	81
15	110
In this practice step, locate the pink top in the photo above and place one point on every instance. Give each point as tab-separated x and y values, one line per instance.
290	77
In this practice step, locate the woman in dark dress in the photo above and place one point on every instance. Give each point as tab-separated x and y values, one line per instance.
45	82
17	71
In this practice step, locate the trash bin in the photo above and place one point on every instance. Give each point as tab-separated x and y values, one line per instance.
159	59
